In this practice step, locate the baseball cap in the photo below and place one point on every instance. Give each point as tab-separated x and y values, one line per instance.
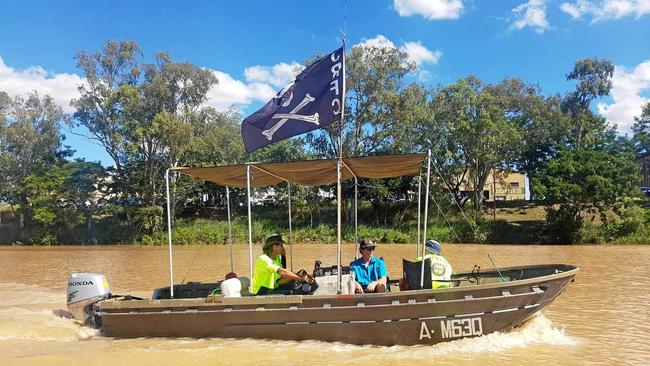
433	246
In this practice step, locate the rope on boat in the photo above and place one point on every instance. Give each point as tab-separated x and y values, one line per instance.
445	217
459	208
503	279
196	254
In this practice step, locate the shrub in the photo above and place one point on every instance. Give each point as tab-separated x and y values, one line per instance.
563	225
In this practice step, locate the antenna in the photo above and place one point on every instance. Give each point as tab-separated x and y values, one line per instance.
345	18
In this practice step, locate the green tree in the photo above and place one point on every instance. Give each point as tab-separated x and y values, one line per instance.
641	129
594	169
584	181
474	128
60	198
545	127
214	139
159	112
31	142
588	130
99	107
5	105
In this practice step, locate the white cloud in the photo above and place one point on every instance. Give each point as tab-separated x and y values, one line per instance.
531	14
430	9
277	75
628	87
231	92
61	87
262	83
379	41
606	9
420	54
415	50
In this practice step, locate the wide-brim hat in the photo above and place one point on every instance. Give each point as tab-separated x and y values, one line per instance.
366	243
273	239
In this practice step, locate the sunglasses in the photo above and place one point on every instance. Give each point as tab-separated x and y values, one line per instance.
370	249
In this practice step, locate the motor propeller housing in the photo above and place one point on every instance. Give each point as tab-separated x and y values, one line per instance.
84	290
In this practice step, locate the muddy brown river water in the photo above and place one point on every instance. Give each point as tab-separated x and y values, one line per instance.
602	319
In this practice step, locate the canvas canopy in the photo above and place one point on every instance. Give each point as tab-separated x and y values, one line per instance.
310	172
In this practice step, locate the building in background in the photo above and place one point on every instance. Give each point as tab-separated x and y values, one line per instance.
502	185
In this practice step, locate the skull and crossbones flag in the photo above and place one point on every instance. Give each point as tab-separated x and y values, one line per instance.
313	100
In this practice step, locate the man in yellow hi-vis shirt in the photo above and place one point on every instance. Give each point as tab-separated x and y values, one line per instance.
440	268
269	276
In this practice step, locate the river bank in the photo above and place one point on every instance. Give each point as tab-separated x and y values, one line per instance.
507	223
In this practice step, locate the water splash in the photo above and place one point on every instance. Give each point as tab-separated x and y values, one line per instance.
41	326
539	330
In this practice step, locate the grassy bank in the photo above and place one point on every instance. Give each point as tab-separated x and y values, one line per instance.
204	231
509	223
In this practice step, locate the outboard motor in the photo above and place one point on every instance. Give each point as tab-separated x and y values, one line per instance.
84	290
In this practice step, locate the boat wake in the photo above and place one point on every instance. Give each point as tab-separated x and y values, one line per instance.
539	330
41	326
34	313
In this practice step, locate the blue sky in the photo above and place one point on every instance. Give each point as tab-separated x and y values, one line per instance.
252	45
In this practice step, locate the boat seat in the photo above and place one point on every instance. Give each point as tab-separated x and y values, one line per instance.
412	271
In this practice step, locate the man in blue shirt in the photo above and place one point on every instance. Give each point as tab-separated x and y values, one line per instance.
370	272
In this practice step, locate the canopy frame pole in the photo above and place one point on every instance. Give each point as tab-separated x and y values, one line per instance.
289	195
250	225
269	173
356	236
356	222
338	225
417	246
290	231
426	211
232	264
348	168
169	238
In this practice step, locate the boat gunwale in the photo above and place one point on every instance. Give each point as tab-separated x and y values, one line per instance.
117	303
208	306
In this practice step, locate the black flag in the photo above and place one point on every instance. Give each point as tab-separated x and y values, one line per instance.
313	100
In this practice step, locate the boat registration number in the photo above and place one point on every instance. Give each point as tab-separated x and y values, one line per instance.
455	328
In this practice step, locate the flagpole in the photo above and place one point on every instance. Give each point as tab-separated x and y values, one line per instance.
169	238
338	178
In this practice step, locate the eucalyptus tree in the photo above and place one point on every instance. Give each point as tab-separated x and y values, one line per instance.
214	139
5	104
593	169
594	80
99	107
474	128
31	142
159	115
641	129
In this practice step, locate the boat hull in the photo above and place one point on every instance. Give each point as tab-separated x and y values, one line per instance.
395	318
